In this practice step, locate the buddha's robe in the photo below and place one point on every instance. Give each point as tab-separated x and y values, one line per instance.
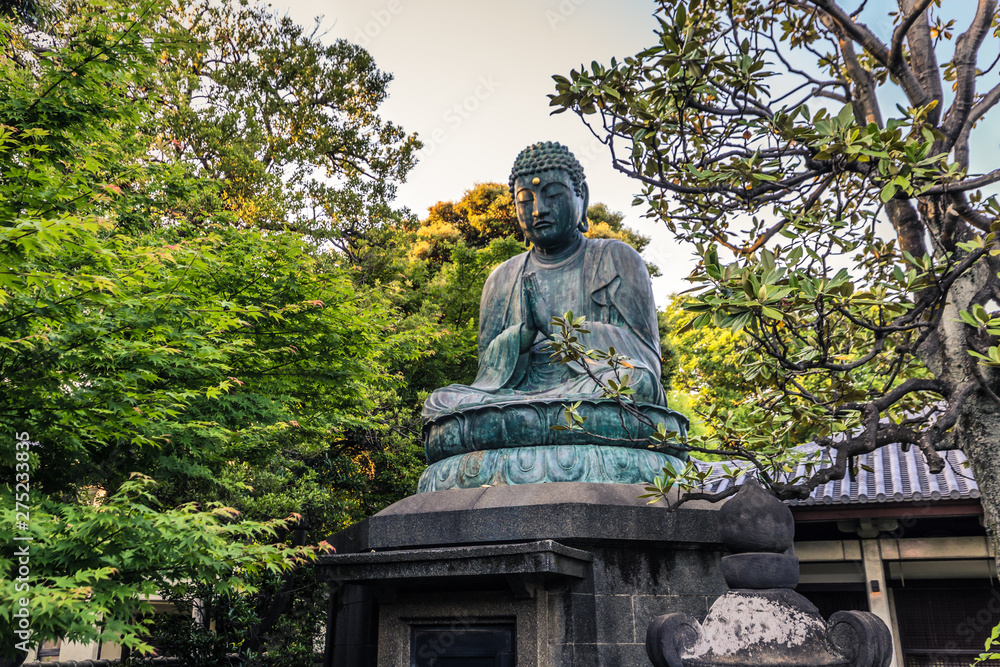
607	282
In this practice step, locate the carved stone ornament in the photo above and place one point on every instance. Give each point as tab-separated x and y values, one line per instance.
761	621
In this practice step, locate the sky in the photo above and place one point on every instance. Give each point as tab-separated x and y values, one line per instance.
472	79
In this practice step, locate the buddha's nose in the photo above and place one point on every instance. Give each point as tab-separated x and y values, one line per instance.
540	208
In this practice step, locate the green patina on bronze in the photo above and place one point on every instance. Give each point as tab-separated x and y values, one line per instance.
498	429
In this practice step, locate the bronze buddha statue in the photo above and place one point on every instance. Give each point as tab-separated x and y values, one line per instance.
498	429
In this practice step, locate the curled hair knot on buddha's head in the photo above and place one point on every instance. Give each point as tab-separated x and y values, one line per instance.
547	155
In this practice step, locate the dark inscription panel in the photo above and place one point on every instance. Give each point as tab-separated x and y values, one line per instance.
460	645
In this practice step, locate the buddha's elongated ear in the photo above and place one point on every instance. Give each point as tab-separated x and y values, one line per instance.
584	223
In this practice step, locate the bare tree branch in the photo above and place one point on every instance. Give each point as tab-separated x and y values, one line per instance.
908	225
896	394
910	16
966	51
987	102
862	78
860	33
964	186
923	58
961	204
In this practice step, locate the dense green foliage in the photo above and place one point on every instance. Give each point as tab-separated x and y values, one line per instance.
285	125
157	319
700	370
94	564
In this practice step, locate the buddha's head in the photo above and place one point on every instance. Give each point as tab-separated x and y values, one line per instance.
550	194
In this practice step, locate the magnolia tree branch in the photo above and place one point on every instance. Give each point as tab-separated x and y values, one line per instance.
922	56
874	433
966	52
689	496
911	15
860	33
987	102
961	205
909	227
776	228
864	82
895	395
788	192
966	185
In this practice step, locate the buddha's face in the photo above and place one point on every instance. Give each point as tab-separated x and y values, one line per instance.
548	208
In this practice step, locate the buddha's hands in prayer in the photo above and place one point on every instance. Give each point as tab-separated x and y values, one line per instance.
531	326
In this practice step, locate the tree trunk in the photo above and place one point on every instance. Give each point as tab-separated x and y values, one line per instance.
979	438
977	431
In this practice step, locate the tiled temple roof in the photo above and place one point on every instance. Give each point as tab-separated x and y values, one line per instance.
897	476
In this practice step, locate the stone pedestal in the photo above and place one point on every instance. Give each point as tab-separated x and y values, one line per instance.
565	573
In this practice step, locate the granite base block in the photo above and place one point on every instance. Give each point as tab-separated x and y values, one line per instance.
577	570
